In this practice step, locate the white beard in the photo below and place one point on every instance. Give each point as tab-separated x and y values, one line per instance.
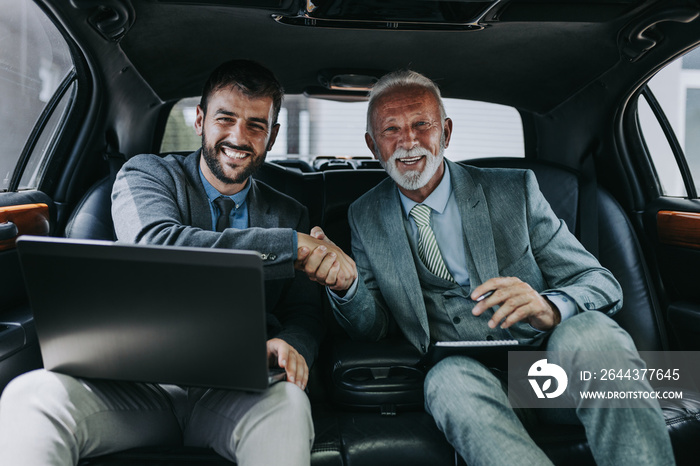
413	180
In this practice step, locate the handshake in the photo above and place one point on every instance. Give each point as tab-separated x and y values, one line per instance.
324	262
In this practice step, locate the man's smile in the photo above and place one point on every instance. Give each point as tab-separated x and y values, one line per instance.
410	160
234	153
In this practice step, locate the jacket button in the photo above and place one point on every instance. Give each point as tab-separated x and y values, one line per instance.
489	337
456	320
272	256
422	348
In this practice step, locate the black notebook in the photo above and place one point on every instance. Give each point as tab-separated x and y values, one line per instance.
490	352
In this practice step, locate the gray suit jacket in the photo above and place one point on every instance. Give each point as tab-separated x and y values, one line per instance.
509	230
161	200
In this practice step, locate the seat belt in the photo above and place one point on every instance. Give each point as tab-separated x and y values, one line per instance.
588	204
111	154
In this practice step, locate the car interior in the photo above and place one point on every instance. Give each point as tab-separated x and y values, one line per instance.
611	159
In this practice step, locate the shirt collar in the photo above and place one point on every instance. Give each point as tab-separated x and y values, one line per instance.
212	193
437	200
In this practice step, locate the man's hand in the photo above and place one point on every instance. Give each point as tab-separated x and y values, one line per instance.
324	262
517	301
286	357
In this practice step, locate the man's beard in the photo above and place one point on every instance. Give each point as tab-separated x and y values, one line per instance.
413	180
214	164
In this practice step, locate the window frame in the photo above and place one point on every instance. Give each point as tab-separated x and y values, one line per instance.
40	126
672	140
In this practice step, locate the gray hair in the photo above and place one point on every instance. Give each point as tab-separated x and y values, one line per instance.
398	79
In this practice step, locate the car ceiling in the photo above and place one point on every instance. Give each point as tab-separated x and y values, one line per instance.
532	55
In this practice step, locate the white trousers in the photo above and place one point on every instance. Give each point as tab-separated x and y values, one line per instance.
53	419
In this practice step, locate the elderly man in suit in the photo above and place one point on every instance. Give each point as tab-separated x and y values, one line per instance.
433	239
206	199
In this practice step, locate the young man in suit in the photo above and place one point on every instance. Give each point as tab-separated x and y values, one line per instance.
435	237
206	199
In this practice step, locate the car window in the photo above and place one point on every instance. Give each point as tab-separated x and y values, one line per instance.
313	127
36	89
663	158
673	102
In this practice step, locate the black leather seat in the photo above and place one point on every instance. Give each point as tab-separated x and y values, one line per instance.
618	250
373	415
92	217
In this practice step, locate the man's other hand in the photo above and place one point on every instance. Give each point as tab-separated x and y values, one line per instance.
324	262
517	301
289	359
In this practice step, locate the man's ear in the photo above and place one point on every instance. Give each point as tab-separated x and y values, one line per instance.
370	144
199	120
273	136
447	132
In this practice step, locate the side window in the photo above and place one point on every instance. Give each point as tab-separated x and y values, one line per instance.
312	127
660	150
37	88
179	130
669	117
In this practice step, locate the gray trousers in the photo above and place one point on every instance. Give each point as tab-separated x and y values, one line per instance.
53	419
470	405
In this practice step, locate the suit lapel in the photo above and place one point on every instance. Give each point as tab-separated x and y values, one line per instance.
390	217
258	209
200	212
476	223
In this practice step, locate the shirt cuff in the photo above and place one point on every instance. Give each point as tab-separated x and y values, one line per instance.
348	296
567	307
295	242
564	304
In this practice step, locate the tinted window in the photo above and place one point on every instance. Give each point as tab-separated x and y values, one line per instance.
39	156
677	90
668	174
34	63
314	127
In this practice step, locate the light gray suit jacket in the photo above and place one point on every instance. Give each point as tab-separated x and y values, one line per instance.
161	200
509	230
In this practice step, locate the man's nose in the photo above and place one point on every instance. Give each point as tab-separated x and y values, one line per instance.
408	139
237	134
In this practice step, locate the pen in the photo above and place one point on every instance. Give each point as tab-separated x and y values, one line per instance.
485	295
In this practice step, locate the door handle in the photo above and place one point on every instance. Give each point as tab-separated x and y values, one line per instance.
8	230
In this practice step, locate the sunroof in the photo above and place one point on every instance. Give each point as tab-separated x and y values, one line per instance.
448	14
393	14
450	11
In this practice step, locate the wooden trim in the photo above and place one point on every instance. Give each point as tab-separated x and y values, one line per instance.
30	219
679	228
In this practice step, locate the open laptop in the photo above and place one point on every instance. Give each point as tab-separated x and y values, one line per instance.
174	315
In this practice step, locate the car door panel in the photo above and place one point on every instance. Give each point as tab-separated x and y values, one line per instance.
29	219
678	228
31	212
684	317
671	208
673	228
